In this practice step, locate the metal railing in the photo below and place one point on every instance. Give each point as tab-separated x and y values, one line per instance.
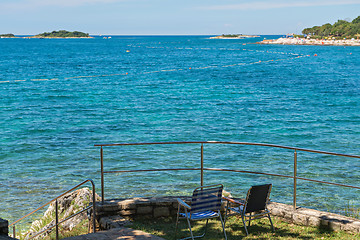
57	222
202	169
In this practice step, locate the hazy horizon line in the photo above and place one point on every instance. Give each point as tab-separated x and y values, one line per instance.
155	34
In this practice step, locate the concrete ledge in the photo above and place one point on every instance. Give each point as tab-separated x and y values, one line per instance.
310	217
167	206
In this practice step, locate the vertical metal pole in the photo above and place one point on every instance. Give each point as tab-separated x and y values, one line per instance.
102	174
202	165
56	220
295	178
94	208
14	232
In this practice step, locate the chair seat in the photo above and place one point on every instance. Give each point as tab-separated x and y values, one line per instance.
200	215
238	210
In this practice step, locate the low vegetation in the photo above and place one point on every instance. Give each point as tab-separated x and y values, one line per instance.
63	34
80	229
259	229
68	205
339	30
231	35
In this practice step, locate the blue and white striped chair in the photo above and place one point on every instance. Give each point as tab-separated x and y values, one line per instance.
205	204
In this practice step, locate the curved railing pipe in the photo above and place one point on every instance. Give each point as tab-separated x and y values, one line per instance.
202	169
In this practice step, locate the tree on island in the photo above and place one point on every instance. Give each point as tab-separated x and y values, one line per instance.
340	29
8	35
231	35
62	34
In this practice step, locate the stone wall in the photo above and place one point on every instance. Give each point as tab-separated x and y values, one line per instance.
167	206
4	227
140	207
311	217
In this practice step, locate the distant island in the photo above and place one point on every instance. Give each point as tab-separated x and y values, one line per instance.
233	36
53	34
341	33
62	34
9	35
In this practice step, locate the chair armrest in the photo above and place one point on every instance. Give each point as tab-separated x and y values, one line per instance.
233	201
182	203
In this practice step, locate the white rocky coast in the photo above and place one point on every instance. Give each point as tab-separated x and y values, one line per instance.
305	41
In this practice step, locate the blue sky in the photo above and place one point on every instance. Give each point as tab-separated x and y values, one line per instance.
172	17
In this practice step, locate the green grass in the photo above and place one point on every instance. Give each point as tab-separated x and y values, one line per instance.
259	229
80	229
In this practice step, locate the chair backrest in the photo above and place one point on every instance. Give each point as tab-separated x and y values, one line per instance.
257	198
207	198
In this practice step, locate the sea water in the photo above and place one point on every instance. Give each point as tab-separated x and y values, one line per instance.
60	97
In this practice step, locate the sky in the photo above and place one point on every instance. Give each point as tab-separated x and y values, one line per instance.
172	17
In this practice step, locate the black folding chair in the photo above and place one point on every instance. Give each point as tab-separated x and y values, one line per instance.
254	207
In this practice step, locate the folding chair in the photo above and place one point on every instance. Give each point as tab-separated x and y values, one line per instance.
254	207
205	204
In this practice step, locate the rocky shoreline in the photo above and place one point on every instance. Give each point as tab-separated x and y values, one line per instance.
305	41
68	205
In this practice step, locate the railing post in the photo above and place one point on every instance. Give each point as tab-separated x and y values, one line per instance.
14	232
56	219
295	178
102	174
94	207
202	166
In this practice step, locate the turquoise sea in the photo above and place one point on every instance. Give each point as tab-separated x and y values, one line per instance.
59	97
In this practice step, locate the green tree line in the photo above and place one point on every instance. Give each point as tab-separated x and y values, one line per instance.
63	34
231	35
8	35
340	29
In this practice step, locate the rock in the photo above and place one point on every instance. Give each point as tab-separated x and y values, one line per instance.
113	222
226	194
68	205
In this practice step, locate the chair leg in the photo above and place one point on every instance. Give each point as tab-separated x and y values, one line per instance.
223	225
226	212
176	225
207	220
272	226
191	233
249	220
177	221
244	222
